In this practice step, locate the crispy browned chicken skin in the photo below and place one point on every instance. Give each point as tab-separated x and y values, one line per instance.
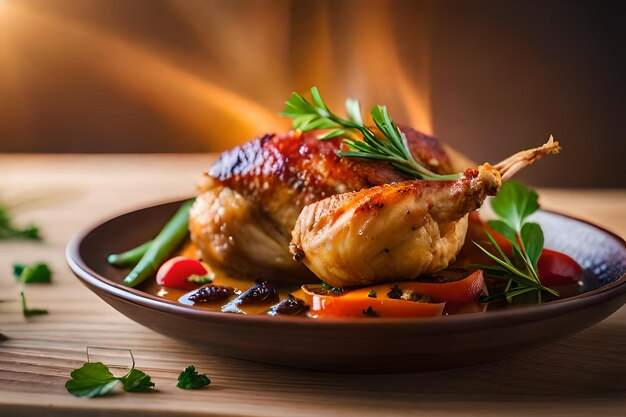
250	198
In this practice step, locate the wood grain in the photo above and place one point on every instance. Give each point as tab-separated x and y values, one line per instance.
578	376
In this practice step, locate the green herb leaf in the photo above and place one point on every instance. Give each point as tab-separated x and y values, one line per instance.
91	380
190	379
17	270
372	294
9	231
38	273
137	381
201	279
361	141
504	229
532	236
94	379
30	311
514	203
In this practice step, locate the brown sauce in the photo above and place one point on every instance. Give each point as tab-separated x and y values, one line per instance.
468	255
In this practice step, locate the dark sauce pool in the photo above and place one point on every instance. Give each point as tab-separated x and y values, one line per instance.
462	267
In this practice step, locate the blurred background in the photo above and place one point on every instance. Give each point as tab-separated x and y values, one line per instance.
487	77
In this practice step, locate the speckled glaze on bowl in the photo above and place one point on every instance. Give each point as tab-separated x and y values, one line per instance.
367	345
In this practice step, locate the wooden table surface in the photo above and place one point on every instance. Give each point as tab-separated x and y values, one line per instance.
583	375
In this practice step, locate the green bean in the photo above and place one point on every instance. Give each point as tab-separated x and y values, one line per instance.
130	257
166	242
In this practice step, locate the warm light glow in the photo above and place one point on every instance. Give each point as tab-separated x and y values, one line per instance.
240	92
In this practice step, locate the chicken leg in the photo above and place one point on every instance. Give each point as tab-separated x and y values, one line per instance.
397	231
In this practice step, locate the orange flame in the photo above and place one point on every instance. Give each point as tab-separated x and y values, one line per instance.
254	64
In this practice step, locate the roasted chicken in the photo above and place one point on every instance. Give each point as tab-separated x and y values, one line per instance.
288	208
250	199
397	231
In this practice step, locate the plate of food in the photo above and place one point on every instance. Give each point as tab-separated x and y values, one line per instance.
348	246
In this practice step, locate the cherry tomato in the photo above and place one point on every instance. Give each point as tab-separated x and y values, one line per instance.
174	273
556	268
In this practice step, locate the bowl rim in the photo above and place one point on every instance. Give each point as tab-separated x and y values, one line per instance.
467	322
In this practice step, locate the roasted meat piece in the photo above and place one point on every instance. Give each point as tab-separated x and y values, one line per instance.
397	231
250	198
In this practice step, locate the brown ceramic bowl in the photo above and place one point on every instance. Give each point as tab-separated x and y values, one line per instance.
367	345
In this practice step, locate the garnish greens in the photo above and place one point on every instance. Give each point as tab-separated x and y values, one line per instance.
30	311
94	379
201	279
513	204
372	294
9	231
387	144
38	273
190	379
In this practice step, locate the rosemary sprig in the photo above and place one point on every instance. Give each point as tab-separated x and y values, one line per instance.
513	204
389	145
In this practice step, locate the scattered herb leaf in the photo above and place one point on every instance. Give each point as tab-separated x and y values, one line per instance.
9	231
30	311
190	379
387	144
137	381
94	379
372	294
17	269
38	273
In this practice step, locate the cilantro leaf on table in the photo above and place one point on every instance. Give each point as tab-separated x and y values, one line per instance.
94	379
38	273
137	381
27	312
190	379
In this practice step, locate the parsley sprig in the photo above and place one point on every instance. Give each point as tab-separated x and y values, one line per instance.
94	379
387	144
191	379
9	231
514	204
